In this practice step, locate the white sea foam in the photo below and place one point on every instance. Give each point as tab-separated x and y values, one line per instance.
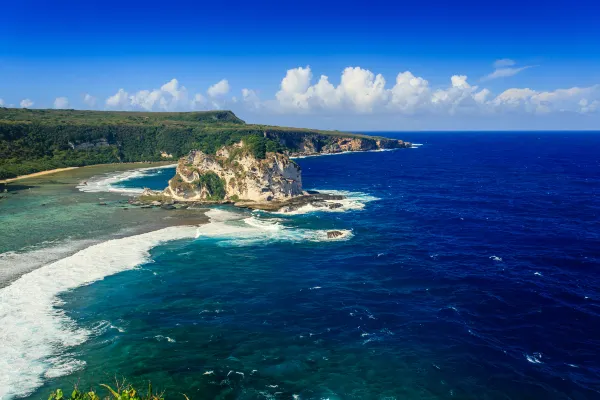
36	336
415	145
15	263
105	183
160	338
353	201
535	358
240	230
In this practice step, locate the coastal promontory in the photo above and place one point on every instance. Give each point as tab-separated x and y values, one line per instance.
40	140
256	172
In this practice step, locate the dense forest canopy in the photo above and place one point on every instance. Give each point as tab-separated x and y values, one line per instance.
38	140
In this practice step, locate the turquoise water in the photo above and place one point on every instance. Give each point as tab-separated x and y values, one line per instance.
468	270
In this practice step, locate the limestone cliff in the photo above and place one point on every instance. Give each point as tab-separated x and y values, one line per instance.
313	143
234	173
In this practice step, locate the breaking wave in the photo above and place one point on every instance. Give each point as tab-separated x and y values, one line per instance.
36	335
241	230
108	182
353	201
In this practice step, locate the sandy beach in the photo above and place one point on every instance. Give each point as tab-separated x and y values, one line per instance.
42	173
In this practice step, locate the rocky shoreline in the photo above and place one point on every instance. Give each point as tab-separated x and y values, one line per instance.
155	199
247	176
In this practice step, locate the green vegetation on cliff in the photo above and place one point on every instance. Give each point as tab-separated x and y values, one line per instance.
213	184
37	140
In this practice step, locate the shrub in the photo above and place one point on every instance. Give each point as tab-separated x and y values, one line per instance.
214	185
123	392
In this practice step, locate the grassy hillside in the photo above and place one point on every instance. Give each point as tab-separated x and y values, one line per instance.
37	140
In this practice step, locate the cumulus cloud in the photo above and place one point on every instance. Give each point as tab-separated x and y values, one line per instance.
360	92
89	100
1	103
578	100
119	100
171	96
504	68
26	103
61	103
409	94
220	88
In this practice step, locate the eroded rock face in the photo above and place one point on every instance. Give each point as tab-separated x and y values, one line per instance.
234	173
334	234
311	144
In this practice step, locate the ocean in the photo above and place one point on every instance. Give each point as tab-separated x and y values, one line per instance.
468	269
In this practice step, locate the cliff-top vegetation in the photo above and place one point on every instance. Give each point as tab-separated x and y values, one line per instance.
38	140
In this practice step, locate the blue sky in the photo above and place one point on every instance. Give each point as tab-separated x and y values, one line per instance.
462	65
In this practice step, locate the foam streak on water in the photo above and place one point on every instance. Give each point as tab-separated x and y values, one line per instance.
35	335
240	230
353	201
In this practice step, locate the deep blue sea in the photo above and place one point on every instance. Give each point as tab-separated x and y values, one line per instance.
470	270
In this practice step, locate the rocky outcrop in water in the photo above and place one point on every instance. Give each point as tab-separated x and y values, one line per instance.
251	177
334	234
234	173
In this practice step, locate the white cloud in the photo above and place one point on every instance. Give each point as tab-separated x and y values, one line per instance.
119	100
250	99
361	91
89	100
409	94
220	88
61	103
1	103
578	100
505	72
171	96
26	103
198	102
505	68
504	62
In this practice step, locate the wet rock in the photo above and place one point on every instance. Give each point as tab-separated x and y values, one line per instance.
334	234
156	203
168	207
102	204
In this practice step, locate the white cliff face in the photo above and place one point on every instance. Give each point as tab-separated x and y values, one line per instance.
242	177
